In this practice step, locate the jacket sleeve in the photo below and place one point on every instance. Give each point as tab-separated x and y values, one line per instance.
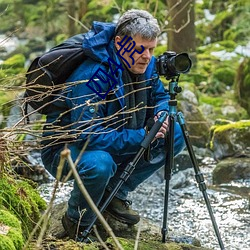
88	117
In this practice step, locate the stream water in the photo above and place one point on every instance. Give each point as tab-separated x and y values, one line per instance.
187	212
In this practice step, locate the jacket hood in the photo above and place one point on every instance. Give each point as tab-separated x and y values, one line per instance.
98	41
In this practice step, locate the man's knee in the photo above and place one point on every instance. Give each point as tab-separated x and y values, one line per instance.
97	165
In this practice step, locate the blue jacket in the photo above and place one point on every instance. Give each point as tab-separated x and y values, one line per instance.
90	117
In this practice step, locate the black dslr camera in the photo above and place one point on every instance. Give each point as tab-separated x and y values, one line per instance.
172	65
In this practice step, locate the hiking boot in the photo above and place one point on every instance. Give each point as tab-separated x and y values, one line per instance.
75	231
121	211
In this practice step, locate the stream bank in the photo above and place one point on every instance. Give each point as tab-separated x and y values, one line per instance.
188	216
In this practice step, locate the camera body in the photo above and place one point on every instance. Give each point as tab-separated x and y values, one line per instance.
171	65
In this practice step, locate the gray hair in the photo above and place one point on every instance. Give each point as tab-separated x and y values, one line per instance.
138	22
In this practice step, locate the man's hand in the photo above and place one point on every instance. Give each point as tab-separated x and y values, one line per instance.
164	128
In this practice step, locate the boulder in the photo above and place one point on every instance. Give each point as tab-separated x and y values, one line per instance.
230	140
197	125
150	235
231	169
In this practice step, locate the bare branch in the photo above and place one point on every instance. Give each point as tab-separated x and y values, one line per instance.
77	21
66	154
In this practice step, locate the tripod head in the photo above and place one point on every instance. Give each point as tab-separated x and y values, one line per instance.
174	89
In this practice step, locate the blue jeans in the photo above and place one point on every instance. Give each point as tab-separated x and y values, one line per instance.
100	170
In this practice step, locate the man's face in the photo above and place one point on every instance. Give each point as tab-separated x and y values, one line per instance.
142	60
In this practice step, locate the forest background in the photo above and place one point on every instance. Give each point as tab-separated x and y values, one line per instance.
214	33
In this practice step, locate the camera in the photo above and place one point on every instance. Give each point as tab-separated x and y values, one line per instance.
171	65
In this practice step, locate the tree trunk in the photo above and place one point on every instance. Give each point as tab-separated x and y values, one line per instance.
181	27
83	7
72	13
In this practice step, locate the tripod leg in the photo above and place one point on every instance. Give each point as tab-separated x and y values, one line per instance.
168	173
129	169
199	176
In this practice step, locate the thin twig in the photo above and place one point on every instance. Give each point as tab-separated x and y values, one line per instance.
66	154
77	21
99	238
137	236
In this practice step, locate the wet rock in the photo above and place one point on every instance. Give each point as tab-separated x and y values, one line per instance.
150	234
231	169
181	179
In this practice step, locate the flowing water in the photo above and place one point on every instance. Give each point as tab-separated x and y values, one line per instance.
187	212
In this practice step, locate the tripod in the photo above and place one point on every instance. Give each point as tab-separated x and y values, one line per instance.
169	163
129	169
173	90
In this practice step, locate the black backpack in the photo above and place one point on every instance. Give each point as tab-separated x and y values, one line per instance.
48	73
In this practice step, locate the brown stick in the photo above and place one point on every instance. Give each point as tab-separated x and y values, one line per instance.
66	154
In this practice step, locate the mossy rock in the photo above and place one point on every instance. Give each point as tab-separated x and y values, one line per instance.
232	139
219	107
21	199
231	169
212	75
10	231
128	244
225	75
150	235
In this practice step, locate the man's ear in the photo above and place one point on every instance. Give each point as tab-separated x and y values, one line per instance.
117	39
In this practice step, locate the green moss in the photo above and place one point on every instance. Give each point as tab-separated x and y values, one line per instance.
212	100
236	125
9	219
128	244
219	102
6	96
13	71
21	199
91	247
16	61
239	128
6	243
225	75
13	239
60	38
228	45
16	237
222	122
